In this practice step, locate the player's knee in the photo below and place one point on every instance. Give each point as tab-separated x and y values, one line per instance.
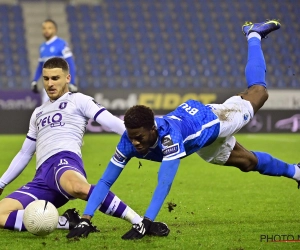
3	219
265	95
79	189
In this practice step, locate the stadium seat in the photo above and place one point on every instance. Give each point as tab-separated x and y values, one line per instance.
14	59
173	43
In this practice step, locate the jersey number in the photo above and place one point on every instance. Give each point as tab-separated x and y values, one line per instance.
189	109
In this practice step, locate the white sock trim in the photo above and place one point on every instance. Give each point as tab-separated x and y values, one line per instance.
254	34
19	220
297	173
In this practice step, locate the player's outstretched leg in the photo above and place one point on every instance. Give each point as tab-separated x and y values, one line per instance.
263	163
256	93
255	70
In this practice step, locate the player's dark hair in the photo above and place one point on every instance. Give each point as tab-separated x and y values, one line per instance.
51	21
56	62
139	116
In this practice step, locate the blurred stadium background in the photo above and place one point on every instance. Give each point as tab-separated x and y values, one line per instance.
157	52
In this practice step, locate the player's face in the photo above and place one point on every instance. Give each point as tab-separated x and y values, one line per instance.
142	138
49	30
56	82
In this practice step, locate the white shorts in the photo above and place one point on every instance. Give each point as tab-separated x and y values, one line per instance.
233	114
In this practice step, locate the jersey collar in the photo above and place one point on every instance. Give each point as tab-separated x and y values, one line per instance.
51	40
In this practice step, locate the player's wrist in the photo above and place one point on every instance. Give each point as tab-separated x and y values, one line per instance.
2	184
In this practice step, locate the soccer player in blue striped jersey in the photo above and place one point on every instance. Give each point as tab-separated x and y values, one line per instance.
53	47
196	128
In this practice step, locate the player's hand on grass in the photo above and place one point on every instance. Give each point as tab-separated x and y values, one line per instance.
34	87
82	229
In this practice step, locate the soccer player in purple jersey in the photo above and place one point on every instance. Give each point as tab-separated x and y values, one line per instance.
193	127
55	134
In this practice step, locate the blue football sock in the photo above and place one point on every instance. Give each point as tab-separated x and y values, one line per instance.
255	70
268	165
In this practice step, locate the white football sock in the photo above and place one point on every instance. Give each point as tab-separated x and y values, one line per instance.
19	220
297	173
131	216
254	34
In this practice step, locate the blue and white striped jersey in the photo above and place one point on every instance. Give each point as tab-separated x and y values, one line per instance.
55	47
182	132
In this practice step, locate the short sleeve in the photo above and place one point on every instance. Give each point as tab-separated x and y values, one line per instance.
88	106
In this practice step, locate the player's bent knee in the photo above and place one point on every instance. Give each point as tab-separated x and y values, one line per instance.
80	190
257	95
74	184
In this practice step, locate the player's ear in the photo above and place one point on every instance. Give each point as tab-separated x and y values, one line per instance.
68	78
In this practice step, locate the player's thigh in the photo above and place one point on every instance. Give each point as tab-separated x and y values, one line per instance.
7	205
219	151
257	95
233	114
228	152
74	184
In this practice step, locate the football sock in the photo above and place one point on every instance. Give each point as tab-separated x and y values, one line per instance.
255	70
268	165
113	206
15	221
254	34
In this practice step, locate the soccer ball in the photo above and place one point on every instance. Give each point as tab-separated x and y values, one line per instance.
40	217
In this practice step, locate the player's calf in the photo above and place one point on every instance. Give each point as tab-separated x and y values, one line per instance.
242	158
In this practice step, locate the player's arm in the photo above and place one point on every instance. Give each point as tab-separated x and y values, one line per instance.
166	175
96	111
18	163
37	75
23	157
110	121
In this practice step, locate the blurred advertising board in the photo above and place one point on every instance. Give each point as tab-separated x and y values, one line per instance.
281	113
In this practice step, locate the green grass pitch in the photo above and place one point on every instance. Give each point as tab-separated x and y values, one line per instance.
217	207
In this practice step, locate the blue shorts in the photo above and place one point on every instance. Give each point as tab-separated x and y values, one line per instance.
45	184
